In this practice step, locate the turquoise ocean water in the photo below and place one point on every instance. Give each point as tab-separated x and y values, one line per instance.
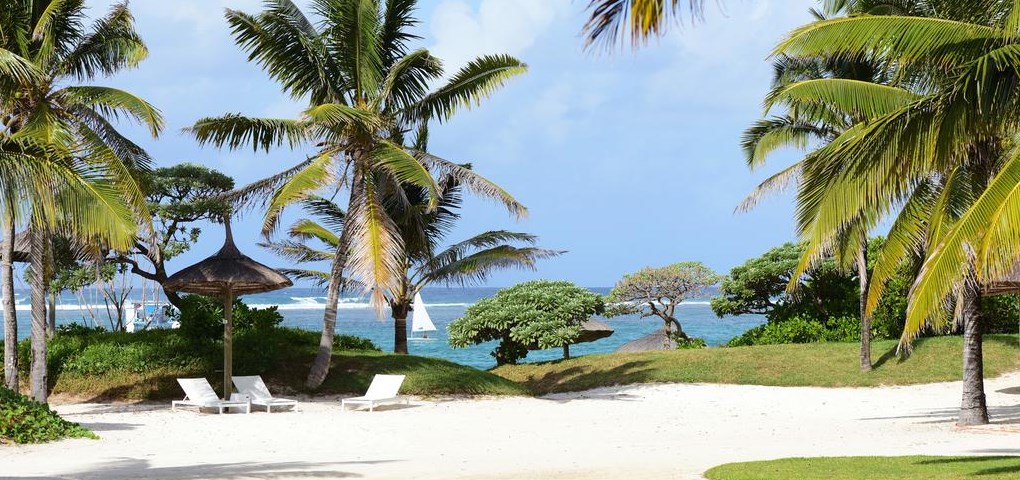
303	308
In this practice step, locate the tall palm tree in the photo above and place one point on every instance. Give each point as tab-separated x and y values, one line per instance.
366	89
963	55
79	176
469	262
813	91
422	230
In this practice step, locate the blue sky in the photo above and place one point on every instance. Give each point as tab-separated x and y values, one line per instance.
625	160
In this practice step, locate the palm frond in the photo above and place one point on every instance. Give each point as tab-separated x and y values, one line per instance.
473	182
235	131
111	103
476	81
298	187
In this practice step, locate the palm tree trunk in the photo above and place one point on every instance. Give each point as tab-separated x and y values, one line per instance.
10	314
400	310
320	366
862	275
973	410
38	368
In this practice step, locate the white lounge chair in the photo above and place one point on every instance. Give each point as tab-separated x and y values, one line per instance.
383	389
198	393
258	393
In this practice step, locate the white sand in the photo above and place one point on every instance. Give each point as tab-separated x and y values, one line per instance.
653	431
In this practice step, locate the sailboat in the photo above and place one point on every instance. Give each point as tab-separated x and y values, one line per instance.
420	320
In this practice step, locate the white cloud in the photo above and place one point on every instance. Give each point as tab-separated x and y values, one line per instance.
495	26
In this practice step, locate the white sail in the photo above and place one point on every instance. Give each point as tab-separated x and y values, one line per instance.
420	320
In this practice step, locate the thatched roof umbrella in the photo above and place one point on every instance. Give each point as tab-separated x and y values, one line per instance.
591	330
1005	285
657	340
22	247
227	274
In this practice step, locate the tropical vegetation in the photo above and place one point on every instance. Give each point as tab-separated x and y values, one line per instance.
23	420
66	168
465	263
94	364
367	92
948	193
528	316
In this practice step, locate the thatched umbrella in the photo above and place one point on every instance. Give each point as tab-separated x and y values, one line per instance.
22	247
1009	284
227	274
591	330
657	340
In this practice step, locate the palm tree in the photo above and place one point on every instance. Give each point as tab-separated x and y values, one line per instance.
365	89
65	166
638	19
469	262
806	89
955	135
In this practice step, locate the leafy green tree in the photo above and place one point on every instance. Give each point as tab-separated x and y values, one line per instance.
656	292
177	196
66	168
759	286
366	88
541	313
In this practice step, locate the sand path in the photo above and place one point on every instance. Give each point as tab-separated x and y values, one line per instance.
651	431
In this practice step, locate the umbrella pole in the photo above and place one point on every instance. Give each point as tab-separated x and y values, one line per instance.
228	341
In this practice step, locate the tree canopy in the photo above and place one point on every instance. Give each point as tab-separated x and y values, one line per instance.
656	292
539	314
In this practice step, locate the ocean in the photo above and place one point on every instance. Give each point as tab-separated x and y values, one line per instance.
303	308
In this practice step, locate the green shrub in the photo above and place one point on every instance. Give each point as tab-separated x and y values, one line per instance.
689	343
351	342
794	330
201	318
25	421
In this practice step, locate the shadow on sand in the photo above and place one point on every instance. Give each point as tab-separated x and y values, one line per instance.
135	468
997	415
577	379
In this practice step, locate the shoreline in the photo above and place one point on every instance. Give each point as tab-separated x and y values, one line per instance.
649	431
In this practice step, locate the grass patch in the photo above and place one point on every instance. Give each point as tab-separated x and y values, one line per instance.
103	366
935	359
871	468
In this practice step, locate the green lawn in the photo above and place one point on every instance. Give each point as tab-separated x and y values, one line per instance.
871	468
935	359
351	373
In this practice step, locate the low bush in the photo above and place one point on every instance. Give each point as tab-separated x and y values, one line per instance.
26	421
351	342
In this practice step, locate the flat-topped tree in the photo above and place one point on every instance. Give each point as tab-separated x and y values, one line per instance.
178	196
528	316
656	292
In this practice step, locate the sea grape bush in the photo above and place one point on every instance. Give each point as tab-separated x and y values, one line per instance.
26	421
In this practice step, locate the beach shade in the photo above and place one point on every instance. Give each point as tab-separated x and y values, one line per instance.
1005	285
227	274
22	248
1009	284
591	330
654	341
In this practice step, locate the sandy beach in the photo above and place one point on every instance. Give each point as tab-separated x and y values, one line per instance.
649	431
